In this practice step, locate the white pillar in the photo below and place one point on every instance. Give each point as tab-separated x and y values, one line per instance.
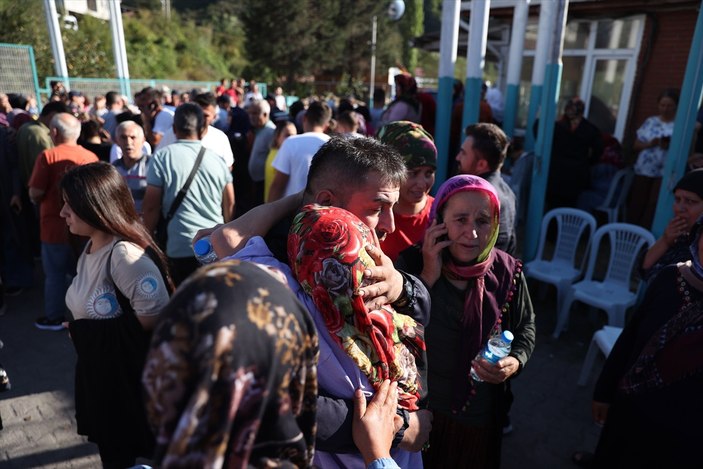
52	23
118	46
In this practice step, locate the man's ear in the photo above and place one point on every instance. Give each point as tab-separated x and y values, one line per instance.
482	166
326	198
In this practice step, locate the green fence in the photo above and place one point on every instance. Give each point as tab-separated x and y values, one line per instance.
92	87
18	72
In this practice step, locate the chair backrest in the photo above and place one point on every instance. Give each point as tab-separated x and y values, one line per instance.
571	224
619	188
626	243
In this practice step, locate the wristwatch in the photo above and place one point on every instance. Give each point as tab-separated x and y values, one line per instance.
406	300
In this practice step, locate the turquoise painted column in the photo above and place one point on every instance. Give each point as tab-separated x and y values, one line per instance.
517	41
547	10
449	40
543	150
475	59
684	124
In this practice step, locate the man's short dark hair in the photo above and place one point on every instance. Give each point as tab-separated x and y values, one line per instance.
318	113
188	120
17	101
205	99
344	164
490	141
111	98
224	99
151	94
53	107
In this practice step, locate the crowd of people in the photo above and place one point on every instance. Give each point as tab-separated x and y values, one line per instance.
348	305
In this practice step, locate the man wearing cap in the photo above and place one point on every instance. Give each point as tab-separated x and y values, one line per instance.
482	154
412	211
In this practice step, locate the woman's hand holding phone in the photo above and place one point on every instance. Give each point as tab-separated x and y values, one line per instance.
434	243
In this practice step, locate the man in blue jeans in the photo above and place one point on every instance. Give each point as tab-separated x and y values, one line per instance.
58	258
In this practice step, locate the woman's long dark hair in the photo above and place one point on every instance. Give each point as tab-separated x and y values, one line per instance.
99	196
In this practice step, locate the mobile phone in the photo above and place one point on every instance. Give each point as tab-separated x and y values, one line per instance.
440	219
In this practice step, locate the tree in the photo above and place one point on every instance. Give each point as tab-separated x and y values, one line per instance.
290	38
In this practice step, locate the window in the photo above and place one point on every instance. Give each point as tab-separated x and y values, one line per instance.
599	61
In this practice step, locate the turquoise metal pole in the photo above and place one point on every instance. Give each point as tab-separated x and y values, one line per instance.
543	151
475	59
449	40
689	103
512	91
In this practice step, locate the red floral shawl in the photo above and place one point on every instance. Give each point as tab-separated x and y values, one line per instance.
326	249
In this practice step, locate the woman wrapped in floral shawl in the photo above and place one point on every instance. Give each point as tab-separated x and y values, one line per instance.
327	253
230	377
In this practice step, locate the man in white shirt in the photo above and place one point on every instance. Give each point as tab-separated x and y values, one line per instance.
292	162
157	120
212	138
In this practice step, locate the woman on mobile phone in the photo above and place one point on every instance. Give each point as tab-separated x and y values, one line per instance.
477	292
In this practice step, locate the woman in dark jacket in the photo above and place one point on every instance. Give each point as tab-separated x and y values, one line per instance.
477	292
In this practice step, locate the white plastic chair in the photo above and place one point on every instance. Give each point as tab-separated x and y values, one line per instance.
613	293
602	340
617	194
561	270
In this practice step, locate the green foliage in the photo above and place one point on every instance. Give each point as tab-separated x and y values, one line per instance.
411	26
276	41
19	27
157	48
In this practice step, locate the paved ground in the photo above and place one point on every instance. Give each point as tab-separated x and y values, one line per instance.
551	415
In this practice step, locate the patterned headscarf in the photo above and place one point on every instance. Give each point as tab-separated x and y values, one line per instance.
466	183
494	283
413	142
230	377
327	253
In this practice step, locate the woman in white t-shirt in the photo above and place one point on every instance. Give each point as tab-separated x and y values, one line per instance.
120	288
652	143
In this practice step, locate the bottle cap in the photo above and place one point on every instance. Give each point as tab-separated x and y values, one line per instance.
202	247
507	337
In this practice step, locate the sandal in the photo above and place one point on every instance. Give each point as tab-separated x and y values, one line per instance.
583	458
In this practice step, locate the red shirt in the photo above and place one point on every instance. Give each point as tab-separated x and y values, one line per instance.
409	230
49	167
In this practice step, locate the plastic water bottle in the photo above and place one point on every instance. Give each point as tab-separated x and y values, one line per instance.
204	251
495	349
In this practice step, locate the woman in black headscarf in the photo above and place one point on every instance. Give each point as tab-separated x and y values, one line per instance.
649	393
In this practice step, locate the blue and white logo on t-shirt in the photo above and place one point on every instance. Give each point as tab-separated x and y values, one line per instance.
147	285
103	304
